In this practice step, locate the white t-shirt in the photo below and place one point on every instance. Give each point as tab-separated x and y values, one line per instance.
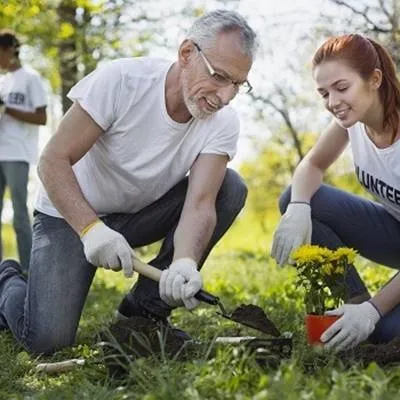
142	153
23	90
378	170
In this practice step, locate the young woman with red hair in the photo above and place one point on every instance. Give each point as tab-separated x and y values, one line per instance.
356	79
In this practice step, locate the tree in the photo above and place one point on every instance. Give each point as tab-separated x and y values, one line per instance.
73	35
376	18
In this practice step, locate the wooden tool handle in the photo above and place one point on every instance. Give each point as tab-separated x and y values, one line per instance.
154	274
146	270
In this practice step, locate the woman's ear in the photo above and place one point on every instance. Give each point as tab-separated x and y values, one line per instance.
376	79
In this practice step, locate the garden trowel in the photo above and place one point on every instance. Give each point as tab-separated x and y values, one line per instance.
247	314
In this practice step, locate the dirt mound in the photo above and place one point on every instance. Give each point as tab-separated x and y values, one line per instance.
127	340
382	354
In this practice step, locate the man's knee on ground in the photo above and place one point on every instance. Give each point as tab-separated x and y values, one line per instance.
48	345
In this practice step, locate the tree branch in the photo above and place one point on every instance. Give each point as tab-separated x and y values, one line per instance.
386	11
284	113
363	14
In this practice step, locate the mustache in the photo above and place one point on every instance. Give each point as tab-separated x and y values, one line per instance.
214	101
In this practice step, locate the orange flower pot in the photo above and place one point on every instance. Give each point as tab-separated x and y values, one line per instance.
316	325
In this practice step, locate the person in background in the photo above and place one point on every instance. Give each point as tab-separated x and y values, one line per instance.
22	110
356	79
114	178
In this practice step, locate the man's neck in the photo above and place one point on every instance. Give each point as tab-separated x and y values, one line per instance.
174	101
14	66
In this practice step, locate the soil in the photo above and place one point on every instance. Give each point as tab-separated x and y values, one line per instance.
254	317
125	341
382	354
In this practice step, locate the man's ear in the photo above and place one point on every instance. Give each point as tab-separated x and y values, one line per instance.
376	79
185	52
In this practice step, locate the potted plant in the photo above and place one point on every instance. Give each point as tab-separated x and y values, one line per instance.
321	272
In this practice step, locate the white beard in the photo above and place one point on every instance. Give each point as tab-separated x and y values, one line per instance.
192	104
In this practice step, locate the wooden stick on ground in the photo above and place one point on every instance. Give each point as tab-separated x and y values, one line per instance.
58	367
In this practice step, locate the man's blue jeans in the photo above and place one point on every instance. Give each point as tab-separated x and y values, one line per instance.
14	175
43	313
341	219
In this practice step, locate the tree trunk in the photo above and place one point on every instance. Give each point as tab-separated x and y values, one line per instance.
68	52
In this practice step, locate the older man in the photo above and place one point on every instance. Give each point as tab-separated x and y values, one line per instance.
114	178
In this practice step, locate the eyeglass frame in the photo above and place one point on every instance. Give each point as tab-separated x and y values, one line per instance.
225	80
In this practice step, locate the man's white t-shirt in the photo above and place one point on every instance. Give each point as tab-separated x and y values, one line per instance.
142	153
22	90
378	170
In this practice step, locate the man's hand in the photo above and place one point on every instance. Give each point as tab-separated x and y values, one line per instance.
107	248
180	282
294	229
356	324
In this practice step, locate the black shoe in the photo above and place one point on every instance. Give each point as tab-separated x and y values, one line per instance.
129	308
126	340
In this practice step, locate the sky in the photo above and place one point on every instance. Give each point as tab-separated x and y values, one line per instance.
280	25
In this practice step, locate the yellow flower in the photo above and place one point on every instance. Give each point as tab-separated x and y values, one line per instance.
339	270
310	254
320	273
327	269
345	252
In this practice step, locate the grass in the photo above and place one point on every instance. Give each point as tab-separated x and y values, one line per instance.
239	271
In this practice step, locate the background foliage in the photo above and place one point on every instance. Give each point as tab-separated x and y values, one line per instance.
64	40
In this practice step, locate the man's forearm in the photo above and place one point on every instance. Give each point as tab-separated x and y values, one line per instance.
389	296
36	118
194	232
64	192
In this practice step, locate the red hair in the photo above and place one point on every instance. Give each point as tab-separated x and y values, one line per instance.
364	55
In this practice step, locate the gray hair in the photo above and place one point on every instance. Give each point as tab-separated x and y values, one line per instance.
205	30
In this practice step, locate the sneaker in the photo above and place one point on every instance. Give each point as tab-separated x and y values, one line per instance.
130	308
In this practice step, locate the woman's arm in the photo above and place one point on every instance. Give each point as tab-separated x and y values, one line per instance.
388	297
309	173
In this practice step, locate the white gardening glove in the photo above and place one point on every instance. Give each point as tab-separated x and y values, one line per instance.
356	324
180	282
104	247
294	229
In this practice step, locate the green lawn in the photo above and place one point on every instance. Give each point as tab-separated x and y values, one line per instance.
239	271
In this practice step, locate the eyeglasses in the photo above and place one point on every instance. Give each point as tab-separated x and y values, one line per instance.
240	87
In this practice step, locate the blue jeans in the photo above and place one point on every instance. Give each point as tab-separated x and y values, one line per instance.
14	174
341	219
43	313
